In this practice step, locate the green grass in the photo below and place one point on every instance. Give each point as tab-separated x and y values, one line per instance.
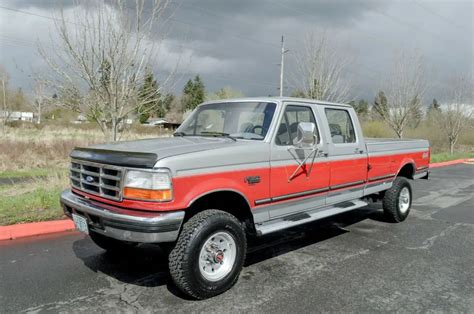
29	206
440	157
27	173
32	201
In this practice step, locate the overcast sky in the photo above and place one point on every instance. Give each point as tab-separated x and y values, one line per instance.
237	43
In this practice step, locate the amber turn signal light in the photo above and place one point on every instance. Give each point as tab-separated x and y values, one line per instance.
144	194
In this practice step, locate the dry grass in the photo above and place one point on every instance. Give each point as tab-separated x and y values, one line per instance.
25	149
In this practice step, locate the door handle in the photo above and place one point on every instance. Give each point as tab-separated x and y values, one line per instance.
359	151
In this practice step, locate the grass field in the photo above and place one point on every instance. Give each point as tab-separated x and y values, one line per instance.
35	200
446	156
40	156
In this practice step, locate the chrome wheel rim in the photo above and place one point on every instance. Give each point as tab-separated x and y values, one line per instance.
404	200
217	256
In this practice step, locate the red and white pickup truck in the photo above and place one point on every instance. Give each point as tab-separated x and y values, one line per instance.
236	168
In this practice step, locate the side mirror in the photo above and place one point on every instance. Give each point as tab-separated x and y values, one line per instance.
306	135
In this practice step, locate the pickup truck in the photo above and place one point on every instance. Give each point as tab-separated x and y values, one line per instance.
236	169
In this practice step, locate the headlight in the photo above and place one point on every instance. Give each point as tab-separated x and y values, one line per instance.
148	185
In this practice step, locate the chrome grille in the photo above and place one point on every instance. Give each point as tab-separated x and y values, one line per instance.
97	179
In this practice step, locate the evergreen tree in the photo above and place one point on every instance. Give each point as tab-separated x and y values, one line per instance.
193	93
149	94
380	107
434	107
361	107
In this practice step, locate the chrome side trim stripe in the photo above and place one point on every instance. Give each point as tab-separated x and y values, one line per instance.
263	201
381	177
290	196
345	185
306	193
299	194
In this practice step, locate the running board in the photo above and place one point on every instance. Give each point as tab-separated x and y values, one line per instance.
304	217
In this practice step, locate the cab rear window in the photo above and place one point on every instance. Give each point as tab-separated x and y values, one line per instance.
340	125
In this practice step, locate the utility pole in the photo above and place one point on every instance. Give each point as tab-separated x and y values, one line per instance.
282	64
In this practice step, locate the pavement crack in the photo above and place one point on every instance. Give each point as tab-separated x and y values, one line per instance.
428	243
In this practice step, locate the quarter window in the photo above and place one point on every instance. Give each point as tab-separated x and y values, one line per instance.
287	130
340	125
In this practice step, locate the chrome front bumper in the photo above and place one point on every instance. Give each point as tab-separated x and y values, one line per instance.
123	224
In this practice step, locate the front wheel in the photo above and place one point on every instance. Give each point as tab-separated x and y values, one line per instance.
397	200
209	254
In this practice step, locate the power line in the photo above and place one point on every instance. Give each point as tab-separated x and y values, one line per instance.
445	19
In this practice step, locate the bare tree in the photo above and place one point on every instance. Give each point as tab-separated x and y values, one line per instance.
101	58
321	69
403	92
40	99
456	115
5	112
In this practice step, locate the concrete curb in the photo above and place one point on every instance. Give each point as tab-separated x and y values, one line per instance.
449	163
34	229
46	227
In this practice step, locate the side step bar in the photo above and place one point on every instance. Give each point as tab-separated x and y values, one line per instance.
304	217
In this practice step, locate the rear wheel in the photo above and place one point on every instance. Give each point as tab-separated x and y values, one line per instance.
397	200
109	244
209	254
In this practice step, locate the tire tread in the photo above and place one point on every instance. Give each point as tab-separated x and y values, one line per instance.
178	258
390	200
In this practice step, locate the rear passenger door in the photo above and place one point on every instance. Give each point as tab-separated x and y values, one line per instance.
347	154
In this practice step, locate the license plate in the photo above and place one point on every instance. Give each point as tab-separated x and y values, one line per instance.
80	223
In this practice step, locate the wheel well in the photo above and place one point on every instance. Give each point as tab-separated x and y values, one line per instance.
228	201
407	171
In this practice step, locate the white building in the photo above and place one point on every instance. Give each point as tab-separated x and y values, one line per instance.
17	115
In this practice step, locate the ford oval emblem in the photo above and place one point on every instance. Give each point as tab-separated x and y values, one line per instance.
90	179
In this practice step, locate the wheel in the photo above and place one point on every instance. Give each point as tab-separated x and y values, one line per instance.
397	200
209	254
109	244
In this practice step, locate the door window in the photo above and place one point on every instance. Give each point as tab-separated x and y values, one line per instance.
340	125
287	130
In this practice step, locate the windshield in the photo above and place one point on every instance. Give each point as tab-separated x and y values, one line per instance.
245	120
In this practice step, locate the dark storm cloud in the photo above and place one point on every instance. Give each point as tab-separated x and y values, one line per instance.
236	43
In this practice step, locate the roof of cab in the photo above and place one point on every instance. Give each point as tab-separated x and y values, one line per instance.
278	100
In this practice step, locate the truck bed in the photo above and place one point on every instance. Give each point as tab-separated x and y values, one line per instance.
386	156
394	145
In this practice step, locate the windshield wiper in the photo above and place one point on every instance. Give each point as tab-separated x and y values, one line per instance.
212	133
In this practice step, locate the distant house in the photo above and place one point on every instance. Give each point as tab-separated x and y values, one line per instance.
82	118
17	115
163	123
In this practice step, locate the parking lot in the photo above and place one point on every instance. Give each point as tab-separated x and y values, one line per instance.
353	262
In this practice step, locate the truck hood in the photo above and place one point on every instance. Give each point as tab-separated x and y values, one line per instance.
145	153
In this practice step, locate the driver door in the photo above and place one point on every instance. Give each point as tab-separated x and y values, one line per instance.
306	188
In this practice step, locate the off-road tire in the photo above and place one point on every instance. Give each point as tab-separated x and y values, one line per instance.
184	258
391	198
109	244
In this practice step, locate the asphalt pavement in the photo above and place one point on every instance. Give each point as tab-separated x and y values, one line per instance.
352	262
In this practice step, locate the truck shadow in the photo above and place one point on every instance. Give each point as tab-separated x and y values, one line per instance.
147	265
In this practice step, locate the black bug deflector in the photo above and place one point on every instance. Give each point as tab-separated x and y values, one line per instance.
118	158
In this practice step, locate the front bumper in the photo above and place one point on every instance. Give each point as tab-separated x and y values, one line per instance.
123	224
